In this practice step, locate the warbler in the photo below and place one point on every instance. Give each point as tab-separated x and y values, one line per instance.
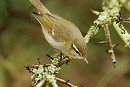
61	34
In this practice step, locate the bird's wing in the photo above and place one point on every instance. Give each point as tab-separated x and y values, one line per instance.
54	25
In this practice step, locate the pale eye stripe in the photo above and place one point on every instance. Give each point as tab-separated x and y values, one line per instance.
75	47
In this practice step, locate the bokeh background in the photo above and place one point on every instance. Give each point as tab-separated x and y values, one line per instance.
22	42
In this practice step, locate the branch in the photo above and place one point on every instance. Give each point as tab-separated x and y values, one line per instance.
40	84
125	37
46	72
54	84
126	4
92	31
111	51
110	15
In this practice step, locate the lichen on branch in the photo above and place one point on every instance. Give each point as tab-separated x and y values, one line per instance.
110	15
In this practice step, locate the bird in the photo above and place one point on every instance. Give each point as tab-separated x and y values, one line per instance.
60	33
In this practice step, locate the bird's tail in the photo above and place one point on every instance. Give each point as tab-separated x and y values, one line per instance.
40	7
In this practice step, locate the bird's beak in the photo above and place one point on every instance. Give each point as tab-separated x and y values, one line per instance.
85	59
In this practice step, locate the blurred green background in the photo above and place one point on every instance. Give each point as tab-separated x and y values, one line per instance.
22	42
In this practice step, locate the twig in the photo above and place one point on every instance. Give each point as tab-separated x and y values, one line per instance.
65	60
41	83
107	33
54	84
125	20
49	56
39	60
101	42
81	84
65	82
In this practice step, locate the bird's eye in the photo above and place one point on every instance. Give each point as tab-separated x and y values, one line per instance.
77	51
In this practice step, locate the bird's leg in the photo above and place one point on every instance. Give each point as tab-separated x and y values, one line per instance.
67	59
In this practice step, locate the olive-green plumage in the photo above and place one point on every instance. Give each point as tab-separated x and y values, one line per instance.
60	33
